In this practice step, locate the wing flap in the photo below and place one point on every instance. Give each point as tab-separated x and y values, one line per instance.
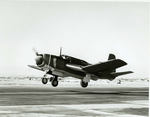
108	65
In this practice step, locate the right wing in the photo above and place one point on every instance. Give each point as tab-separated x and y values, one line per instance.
115	74
104	66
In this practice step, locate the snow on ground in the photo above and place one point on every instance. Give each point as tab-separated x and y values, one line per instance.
69	82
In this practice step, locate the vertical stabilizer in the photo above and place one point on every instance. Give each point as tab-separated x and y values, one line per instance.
110	57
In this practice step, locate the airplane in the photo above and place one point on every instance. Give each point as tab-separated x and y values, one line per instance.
68	66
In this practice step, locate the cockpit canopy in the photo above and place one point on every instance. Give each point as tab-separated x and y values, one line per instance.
73	60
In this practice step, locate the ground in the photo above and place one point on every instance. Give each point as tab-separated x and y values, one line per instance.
47	101
21	97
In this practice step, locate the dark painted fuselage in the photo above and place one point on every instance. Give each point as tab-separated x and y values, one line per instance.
60	63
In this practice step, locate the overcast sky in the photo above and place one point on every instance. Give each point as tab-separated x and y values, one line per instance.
87	30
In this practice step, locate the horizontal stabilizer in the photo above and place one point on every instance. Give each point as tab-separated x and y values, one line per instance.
121	73
108	65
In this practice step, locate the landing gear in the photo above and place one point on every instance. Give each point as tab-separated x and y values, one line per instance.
54	81
84	84
44	80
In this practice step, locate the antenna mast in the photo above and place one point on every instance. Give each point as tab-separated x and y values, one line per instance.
60	51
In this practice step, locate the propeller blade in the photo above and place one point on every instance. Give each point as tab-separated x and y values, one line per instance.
35	51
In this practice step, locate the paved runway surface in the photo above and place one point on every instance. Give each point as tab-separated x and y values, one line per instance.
25	101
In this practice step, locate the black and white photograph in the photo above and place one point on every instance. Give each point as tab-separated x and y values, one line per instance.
71	58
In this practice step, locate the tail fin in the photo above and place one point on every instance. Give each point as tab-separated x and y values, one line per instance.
110	57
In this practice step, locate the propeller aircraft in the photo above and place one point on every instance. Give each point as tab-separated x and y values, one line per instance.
68	66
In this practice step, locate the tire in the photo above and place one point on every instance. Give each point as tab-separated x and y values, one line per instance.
54	83
44	80
84	84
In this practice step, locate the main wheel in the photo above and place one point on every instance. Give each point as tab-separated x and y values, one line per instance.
54	83
44	80
84	84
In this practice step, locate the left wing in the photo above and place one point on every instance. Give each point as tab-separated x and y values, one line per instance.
36	67
104	66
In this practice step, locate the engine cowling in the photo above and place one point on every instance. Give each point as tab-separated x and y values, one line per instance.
40	61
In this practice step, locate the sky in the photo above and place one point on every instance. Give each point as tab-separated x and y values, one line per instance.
86	30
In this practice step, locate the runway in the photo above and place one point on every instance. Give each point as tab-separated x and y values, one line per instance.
25	101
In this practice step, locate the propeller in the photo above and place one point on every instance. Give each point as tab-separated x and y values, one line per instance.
39	59
35	51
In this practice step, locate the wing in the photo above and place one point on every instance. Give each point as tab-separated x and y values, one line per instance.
36	67
104	66
121	73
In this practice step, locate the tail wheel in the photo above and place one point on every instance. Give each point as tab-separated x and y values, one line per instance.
84	84
44	80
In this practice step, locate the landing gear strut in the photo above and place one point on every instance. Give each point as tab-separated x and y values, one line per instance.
84	84
54	81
